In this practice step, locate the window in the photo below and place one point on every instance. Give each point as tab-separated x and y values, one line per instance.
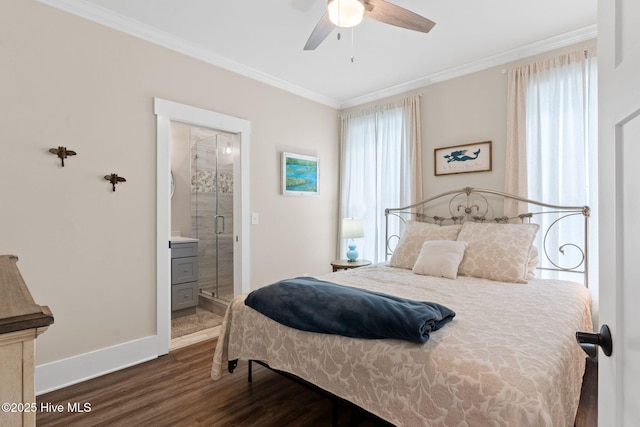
380	168
557	134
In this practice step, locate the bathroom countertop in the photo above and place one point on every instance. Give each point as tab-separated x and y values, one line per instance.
181	239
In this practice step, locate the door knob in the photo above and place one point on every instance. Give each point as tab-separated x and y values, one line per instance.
590	341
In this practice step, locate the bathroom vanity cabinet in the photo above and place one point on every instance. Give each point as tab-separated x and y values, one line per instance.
184	277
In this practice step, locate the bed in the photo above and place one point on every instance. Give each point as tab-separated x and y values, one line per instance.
509	357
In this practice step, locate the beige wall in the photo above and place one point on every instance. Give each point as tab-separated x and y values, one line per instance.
89	253
462	111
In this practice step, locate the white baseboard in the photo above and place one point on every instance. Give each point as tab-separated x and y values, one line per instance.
65	372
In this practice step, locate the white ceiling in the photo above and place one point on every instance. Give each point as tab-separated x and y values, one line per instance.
263	39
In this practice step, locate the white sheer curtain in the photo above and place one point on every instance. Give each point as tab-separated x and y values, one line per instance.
553	125
380	168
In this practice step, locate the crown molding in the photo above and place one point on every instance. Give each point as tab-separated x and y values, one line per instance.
135	28
557	42
151	34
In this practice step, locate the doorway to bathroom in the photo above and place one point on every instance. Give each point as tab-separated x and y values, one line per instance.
171	185
202	216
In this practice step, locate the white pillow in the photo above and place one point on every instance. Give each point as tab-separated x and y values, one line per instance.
415	234
440	258
497	251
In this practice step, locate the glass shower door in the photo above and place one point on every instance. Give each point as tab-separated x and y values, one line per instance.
212	211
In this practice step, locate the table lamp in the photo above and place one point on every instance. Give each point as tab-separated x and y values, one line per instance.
352	229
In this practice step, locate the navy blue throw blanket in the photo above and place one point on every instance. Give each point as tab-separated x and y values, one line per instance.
314	305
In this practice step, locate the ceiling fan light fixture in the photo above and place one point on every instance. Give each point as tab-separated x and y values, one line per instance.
345	13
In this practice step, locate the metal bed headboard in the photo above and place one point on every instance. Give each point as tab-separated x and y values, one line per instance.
473	204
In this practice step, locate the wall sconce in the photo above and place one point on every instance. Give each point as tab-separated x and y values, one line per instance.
352	228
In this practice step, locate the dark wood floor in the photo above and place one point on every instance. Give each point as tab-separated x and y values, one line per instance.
176	390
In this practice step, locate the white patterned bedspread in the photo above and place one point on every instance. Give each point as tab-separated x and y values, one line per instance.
509	358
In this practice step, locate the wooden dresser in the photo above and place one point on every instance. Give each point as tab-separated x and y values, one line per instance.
21	321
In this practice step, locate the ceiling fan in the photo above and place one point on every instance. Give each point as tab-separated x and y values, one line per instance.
348	13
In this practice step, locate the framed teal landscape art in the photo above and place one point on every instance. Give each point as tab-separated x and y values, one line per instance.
300	175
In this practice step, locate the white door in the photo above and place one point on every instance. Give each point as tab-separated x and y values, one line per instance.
619	154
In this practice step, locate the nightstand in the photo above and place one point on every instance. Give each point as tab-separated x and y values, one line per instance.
345	264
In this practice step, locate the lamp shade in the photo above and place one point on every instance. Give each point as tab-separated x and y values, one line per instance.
352	228
345	13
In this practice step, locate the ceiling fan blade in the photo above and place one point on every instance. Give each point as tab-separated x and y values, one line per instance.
389	13
319	33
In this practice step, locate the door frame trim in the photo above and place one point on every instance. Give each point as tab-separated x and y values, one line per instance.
166	112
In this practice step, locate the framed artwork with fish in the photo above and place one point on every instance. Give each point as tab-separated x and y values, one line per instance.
465	158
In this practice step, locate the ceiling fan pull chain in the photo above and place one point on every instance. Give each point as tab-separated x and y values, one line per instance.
352	44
